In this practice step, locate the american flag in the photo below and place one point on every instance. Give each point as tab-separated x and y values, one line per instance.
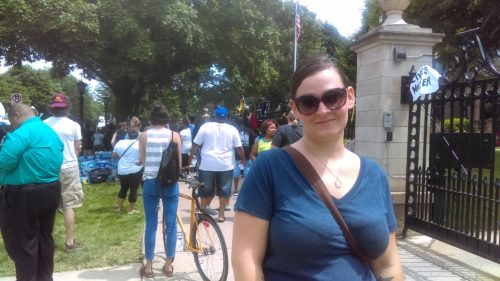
298	28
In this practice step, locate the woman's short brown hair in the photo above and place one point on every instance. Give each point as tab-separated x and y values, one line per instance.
311	66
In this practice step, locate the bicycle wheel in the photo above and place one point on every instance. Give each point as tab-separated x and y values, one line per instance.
211	259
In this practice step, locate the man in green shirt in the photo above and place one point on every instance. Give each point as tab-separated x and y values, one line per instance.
31	158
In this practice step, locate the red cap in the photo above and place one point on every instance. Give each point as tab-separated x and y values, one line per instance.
59	100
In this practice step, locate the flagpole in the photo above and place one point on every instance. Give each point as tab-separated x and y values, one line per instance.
295	36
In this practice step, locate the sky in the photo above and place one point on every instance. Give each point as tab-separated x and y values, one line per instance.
345	15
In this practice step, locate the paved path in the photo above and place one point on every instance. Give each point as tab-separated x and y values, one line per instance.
423	258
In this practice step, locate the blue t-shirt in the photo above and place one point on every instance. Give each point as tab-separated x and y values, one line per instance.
304	240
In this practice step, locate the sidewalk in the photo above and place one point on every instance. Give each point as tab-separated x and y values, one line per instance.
423	258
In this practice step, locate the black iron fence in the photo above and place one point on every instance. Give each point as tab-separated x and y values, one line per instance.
453	167
453	171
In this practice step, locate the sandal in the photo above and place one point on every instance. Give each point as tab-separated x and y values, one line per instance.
221	219
144	273
168	273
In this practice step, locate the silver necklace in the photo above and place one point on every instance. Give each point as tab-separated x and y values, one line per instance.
338	181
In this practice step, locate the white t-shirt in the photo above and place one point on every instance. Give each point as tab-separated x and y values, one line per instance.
68	131
128	161
217	141
186	141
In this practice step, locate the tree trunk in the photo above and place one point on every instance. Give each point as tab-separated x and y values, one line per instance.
126	96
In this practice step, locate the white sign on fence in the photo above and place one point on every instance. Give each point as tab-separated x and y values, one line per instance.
425	81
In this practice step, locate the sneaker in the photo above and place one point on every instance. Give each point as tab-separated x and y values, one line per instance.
72	247
133	212
235	193
209	211
227	208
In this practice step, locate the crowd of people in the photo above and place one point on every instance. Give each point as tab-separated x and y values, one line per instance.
276	205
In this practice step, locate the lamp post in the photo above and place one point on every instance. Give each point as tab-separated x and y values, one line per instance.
81	86
106	103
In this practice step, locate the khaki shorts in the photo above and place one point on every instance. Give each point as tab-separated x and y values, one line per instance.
71	188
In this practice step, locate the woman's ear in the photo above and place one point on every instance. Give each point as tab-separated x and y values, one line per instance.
351	97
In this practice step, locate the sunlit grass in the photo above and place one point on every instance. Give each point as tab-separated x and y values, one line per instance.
108	238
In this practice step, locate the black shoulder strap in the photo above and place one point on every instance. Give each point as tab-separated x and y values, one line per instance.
319	186
128	148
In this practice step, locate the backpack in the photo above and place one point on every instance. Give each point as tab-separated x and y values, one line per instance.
99	175
169	171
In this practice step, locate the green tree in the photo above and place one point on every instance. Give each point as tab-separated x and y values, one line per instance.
129	45
37	88
182	53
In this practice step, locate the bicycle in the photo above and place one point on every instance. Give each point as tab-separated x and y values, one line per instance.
205	241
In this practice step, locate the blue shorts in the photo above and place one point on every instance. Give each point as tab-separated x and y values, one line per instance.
237	170
223	180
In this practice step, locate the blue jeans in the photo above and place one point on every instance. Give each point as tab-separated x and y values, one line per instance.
246	169
151	194
222	179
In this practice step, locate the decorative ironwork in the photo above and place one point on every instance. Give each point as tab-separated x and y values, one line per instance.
478	51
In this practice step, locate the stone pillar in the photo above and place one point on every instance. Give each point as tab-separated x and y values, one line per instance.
384	54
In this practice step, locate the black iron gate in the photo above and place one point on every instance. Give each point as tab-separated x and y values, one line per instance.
453	167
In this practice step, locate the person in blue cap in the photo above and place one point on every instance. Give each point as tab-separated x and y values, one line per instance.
218	141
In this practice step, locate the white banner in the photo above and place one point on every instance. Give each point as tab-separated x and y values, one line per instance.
425	81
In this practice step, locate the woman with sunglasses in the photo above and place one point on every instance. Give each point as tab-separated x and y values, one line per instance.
283	230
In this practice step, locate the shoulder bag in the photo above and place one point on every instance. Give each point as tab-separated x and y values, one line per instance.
319	186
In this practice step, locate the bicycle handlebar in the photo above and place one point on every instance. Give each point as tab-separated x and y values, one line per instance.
190	179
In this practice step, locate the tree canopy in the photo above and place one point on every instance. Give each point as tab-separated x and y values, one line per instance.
185	54
38	86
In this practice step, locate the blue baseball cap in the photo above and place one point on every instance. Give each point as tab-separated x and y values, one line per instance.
221	112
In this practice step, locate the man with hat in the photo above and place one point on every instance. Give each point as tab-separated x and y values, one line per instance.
71	189
218	141
30	160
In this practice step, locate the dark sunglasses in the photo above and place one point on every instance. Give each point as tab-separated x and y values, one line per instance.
333	99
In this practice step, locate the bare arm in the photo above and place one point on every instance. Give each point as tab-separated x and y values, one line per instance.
143	139
178	141
241	154
249	246
253	152
113	139
78	147
388	266
194	148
